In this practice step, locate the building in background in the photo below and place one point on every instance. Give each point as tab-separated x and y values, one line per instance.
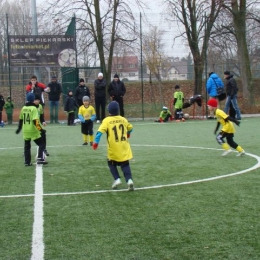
126	67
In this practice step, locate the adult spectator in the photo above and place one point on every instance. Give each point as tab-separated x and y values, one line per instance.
231	91
116	91
100	97
81	91
37	88
54	97
213	82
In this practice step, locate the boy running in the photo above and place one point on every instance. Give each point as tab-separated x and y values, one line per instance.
227	130
119	152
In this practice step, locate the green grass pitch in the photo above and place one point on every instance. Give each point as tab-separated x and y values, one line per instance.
186	203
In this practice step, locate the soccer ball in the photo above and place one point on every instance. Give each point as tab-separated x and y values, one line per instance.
186	116
67	58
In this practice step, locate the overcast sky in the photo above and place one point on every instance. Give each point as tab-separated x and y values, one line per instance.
154	14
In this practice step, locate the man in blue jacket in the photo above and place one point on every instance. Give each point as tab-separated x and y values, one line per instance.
213	82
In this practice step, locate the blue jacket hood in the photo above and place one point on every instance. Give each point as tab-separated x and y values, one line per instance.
213	82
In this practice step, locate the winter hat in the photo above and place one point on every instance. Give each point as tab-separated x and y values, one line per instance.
226	72
37	97
213	102
81	80
85	98
177	87
100	74
30	97
165	108
116	76
70	90
113	108
53	77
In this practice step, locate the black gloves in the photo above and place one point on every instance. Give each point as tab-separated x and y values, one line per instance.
229	118
237	122
18	131
43	131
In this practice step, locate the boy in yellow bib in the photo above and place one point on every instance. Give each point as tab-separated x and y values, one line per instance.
87	116
119	152
227	130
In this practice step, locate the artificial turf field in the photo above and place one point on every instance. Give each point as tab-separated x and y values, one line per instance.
189	201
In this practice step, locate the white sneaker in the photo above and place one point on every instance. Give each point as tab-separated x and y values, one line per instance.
226	152
241	153
116	183
130	184
98	121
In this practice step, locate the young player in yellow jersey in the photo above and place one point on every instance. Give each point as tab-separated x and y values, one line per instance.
119	152
227	130
87	115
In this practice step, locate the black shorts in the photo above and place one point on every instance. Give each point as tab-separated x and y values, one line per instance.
87	127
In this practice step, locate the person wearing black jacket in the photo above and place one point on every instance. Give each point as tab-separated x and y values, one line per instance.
100	97
70	106
81	91
231	91
54	97
2	102
116	91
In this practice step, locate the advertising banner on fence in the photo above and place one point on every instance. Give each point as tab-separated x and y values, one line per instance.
42	50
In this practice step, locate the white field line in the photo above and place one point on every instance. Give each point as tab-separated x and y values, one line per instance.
38	229
37	236
256	166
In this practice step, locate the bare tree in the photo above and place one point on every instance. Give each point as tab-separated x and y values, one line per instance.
197	17
154	56
238	9
153	52
235	36
105	23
